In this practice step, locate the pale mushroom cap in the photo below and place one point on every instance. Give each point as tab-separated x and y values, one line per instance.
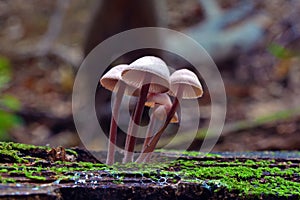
158	98
148	66
161	113
113	76
165	104
189	81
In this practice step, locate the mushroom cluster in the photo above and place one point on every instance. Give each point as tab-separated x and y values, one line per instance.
147	78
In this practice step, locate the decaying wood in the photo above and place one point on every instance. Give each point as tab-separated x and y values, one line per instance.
33	175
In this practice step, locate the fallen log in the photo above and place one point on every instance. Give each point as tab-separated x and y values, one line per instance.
41	172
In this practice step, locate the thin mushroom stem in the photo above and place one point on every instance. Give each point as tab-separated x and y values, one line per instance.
151	146
148	135
133	126
147	158
113	124
149	131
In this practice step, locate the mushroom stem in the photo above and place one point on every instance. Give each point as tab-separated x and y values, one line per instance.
149	131
151	146
133	126
113	124
147	137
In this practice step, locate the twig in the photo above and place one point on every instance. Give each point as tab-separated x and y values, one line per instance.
236	126
211	8
54	28
220	40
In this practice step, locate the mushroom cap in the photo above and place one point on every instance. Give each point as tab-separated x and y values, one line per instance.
113	76
158	98
161	112
164	105
189	81
152	66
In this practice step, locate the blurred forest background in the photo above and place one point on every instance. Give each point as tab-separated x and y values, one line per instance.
42	44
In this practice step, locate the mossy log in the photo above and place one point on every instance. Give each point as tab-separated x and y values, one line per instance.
36	172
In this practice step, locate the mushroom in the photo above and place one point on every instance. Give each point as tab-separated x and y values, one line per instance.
184	84
162	105
112	81
151	74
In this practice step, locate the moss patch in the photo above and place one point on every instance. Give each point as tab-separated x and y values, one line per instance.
246	177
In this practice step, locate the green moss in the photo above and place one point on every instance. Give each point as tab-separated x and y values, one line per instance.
248	177
12	155
34	176
3	170
7	180
13	152
187	153
19	146
72	152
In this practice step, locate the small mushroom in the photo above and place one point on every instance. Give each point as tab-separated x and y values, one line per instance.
162	105
112	81
184	84
151	74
